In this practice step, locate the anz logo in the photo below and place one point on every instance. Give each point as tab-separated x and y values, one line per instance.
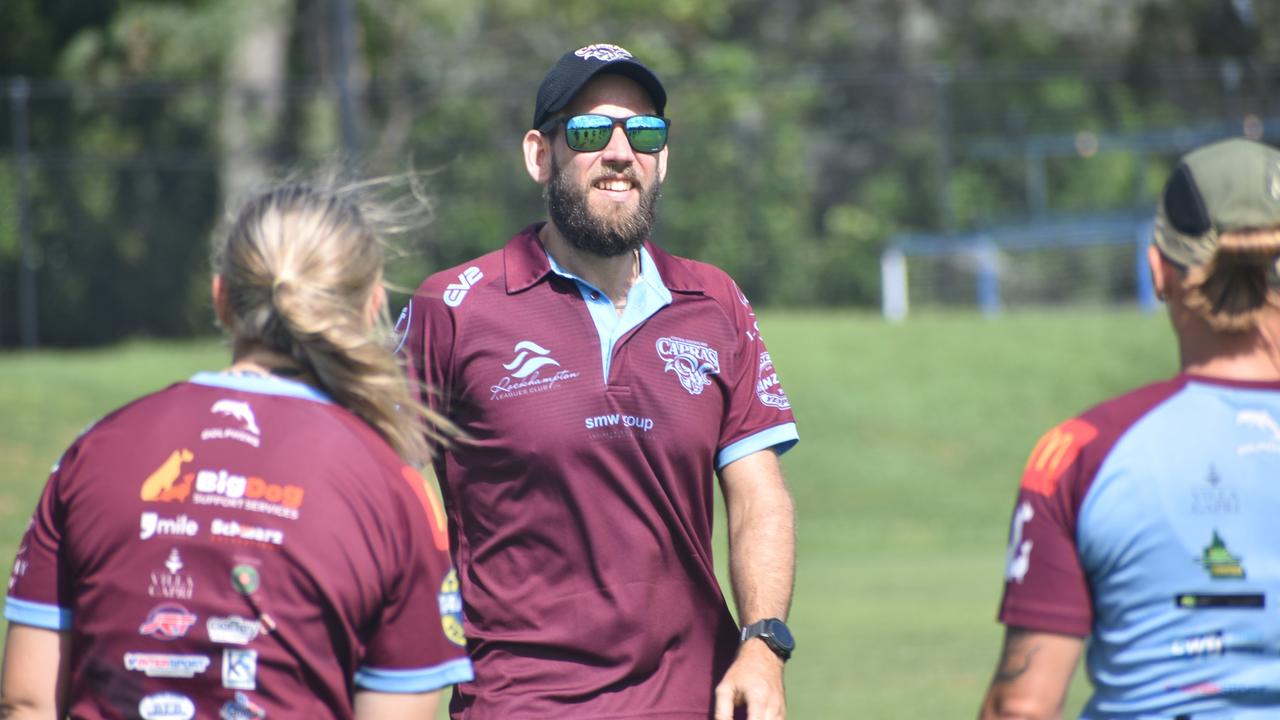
530	358
455	293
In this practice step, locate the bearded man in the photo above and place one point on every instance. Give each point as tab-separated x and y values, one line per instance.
601	384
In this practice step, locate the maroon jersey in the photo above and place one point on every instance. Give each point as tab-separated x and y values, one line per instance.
239	547
581	510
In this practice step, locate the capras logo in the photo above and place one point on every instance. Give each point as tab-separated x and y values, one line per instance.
691	360
153	524
455	293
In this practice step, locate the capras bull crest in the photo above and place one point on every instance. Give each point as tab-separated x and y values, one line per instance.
690	360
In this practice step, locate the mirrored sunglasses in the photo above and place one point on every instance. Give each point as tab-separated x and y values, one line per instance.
591	133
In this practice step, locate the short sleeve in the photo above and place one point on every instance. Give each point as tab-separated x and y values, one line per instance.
39	585
418	644
1045	584
758	415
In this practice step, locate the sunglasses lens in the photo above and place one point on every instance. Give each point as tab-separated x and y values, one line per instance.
588	133
647	133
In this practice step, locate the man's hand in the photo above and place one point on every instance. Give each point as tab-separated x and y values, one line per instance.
754	680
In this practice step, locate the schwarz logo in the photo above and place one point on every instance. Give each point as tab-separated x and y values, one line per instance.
768	390
526	370
692	361
455	293
250	533
603	52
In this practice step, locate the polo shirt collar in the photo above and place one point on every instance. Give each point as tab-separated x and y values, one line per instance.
526	263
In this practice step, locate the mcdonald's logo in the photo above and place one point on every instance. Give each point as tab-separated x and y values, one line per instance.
1055	452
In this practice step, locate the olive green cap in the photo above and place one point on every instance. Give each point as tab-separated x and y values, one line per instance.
1228	186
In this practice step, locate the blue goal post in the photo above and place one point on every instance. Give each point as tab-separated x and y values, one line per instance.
986	255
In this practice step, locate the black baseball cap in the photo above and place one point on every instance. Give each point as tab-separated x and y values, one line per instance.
575	68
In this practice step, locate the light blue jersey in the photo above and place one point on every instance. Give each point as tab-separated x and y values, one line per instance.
1151	524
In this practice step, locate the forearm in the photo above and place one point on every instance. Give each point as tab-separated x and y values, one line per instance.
762	544
1032	676
33	679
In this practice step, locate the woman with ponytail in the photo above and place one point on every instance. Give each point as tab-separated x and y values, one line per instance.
253	543
1148	524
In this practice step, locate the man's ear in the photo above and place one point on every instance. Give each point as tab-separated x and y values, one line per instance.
537	156
221	303
662	164
1159	276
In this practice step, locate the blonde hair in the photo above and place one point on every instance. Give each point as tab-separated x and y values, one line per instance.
300	265
1239	283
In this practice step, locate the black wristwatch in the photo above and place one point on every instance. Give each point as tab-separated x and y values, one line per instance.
774	633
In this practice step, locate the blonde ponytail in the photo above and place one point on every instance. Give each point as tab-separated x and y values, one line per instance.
1231	291
300	266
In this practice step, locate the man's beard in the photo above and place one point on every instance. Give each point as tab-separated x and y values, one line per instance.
568	206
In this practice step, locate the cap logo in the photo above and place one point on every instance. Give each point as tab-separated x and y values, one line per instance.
603	53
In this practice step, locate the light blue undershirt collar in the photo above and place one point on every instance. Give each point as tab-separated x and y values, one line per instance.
647	296
263	385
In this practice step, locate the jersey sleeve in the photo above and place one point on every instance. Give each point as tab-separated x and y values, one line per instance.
418	644
1045	584
758	415
39	585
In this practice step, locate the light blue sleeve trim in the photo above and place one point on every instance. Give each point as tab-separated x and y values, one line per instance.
417	680
25	612
779	437
261	385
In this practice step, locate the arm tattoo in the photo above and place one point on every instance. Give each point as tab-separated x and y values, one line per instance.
1016	657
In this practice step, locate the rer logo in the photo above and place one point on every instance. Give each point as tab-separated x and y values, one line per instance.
163	485
1055	452
167	622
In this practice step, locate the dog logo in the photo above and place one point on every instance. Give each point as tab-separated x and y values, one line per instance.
163	485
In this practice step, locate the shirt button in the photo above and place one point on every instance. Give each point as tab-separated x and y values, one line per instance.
595	295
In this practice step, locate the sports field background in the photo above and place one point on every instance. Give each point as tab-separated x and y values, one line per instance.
913	438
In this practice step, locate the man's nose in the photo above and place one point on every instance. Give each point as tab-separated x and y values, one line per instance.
619	148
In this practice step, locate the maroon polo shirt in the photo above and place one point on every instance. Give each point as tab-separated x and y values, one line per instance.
581	510
239	547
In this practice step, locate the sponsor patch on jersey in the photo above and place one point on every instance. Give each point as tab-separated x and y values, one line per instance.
167	622
1199	646
450	602
171	584
1268	432
455	293
166	666
531	370
431	506
692	361
1220	562
240	669
232	630
168	483
1220	601
246	430
152	525
768	390
1214	497
241	708
245	579
1018	556
615	421
244	532
1055	452
166	706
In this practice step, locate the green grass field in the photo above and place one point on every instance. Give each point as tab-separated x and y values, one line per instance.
913	439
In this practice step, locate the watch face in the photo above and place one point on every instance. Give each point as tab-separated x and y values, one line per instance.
778	631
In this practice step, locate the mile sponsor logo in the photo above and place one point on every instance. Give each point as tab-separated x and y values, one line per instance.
153	525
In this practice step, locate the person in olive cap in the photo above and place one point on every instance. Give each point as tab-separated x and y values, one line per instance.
605	383
1148	524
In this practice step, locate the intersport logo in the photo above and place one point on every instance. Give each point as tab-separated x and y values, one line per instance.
525	372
